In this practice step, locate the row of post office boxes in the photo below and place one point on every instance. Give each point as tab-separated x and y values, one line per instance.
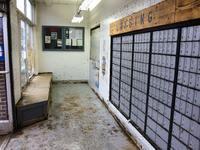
140	77
116	54
127	55
159	141
187	124
124	109
116	47
189	79
163	97
142	67
140	124
138	104
189	64
190	33
188	109
165	35
125	94
162	72
114	87
116	60
124	101
154	114
163	60
187	94
158	118
127	47
115	81
127	39
126	87
116	67
185	137
155	129
115	100
140	57
144	37
189	49
160	107
157	93
140	86
115	94
137	111
126	79
176	144
126	71
165	48
137	121
142	47
139	95
163	85
117	40
126	63
115	74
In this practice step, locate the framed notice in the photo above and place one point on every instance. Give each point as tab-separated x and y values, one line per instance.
57	38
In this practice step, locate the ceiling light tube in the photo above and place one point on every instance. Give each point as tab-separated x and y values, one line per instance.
77	18
84	5
93	4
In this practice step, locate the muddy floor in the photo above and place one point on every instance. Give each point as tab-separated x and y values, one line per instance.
78	120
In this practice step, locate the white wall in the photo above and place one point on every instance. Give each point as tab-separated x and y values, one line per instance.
64	65
16	56
112	16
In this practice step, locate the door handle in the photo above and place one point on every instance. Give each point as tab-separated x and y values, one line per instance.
4	72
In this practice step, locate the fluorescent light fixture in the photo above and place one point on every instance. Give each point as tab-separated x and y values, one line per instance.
84	5
77	18
89	4
93	4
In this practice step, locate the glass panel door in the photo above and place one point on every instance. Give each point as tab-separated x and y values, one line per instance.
6	123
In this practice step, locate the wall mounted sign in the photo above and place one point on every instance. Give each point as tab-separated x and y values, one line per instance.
63	38
1	53
166	12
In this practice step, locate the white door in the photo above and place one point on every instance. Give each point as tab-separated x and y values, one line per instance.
6	121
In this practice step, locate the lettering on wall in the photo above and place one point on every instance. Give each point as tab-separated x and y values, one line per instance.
163	13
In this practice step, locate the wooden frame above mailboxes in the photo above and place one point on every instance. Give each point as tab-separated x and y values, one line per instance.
163	13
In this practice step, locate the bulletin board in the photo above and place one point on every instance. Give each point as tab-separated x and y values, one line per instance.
65	38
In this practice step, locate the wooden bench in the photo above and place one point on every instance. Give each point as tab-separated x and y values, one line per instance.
33	106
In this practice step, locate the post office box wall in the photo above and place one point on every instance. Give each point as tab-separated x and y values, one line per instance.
164	73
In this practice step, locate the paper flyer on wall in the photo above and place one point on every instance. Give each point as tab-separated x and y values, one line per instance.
54	35
59	42
74	42
47	39
68	42
80	42
104	59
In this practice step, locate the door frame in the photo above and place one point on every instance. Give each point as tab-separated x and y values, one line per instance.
6	126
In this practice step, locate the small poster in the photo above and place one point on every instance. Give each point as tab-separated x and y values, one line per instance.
68	42
74	42
80	42
97	77
54	35
47	39
59	42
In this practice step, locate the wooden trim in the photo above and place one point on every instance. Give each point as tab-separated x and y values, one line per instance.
163	13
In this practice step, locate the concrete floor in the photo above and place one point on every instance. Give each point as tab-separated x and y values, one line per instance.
78	120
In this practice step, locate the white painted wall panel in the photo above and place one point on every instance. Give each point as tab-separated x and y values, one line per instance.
64	65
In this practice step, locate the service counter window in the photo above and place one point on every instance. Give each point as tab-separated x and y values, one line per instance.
63	38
